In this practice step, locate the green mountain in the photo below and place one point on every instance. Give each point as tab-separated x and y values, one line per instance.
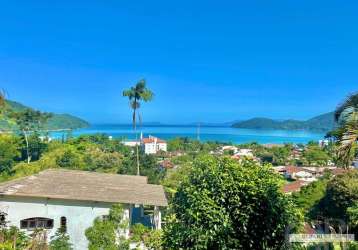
323	122
56	122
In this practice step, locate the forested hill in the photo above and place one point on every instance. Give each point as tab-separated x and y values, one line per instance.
56	122
323	122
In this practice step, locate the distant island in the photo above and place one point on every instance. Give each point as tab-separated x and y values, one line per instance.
56	122
324	122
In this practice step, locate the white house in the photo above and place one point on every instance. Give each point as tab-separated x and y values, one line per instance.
229	148
244	152
73	199
296	173
153	145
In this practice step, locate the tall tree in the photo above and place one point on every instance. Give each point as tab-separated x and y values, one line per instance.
346	115
29	121
136	95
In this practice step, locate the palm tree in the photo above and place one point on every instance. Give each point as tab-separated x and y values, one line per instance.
346	115
136	94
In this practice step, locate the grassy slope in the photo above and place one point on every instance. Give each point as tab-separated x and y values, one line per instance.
57	121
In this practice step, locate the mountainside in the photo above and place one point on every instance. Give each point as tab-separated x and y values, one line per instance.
56	122
322	122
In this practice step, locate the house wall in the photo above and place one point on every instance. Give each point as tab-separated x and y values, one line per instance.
153	148
162	147
80	215
149	148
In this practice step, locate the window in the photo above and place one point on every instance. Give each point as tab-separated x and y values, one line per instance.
38	222
63	224
2	219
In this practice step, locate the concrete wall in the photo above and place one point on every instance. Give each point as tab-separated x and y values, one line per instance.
150	148
153	148
80	215
162	147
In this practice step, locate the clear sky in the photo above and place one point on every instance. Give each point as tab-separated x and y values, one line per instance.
212	61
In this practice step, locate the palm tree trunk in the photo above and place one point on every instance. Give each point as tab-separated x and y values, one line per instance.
136	135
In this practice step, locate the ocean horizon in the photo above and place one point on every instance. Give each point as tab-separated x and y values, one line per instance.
223	134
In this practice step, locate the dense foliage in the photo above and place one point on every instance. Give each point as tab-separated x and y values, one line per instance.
227	205
60	241
309	197
333	199
12	238
152	239
91	153
341	194
9	152
108	232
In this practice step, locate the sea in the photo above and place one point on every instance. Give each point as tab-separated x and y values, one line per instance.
203	133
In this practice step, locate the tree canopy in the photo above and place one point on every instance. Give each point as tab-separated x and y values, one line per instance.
227	205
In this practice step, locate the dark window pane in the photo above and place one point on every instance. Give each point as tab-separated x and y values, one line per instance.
49	224
32	224
23	224
40	224
64	224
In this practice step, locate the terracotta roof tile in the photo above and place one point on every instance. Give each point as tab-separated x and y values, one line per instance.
152	140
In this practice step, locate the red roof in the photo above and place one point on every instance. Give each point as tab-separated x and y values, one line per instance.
167	164
293	186
152	140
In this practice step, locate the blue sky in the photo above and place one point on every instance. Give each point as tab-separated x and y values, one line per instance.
212	61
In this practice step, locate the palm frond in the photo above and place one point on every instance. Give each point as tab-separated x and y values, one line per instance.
348	142
351	102
140	86
147	95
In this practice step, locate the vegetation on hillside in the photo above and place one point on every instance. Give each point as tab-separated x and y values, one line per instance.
55	122
323	122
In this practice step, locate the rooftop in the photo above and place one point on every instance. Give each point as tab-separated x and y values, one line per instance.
86	186
293	186
152	140
295	169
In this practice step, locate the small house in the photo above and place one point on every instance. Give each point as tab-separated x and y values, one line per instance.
153	145
72	199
